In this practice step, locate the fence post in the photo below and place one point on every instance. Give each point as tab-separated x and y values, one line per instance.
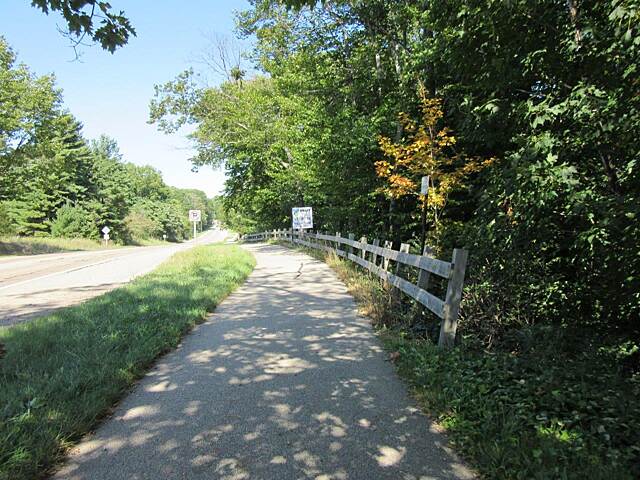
423	276
404	248
338	244
388	244
364	252
374	256
454	296
350	250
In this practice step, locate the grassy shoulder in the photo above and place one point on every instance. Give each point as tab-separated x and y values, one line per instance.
62	373
558	408
43	245
40	245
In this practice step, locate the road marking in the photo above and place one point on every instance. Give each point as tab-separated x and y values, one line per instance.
180	246
55	273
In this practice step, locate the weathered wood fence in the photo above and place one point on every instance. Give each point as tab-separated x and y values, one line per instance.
377	260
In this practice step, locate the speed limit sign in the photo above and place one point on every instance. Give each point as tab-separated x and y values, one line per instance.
195	215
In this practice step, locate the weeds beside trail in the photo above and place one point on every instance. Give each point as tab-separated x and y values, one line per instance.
62	373
546	405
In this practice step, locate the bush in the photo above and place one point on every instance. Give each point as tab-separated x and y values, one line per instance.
536	414
74	221
140	227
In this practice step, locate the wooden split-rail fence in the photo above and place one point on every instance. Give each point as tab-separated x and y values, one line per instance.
376	259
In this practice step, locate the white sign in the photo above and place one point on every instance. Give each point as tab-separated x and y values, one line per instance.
424	188
195	215
106	230
302	217
106	236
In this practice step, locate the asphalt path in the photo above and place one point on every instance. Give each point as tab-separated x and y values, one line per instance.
34	285
284	381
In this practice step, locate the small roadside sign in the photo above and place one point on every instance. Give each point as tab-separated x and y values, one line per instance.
106	237
302	217
424	187
195	215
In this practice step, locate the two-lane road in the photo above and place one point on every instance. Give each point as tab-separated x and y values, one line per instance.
34	285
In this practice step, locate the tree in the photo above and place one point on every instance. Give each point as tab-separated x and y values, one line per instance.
28	106
52	181
94	19
112	190
428	152
74	221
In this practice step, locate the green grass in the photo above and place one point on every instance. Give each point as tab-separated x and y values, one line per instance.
39	245
62	373
561	408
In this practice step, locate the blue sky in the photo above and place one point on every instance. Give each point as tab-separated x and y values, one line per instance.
110	93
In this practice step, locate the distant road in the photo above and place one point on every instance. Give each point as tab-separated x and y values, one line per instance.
38	284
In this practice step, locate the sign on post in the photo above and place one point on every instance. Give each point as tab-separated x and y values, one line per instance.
194	216
302	217
106	231
424	187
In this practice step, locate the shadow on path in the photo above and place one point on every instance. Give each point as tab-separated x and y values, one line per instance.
284	381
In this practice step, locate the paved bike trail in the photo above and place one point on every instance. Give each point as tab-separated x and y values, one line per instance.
284	381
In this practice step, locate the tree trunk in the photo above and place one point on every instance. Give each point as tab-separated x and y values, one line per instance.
572	5
612	176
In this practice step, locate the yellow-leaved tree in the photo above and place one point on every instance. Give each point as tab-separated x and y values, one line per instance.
427	150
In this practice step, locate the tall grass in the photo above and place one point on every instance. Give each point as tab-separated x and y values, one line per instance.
61	373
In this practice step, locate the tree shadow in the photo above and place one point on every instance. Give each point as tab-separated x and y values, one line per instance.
285	380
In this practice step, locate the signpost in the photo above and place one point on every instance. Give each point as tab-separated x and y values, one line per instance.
106	231
302	217
424	192
194	216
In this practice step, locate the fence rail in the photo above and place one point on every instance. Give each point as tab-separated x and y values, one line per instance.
379	264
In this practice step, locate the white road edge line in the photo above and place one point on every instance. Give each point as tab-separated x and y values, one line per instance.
56	273
81	267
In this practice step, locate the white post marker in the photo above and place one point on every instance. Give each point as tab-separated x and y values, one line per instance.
424	185
106	231
194	216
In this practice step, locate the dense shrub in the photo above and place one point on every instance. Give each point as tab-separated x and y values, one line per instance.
74	221
140	227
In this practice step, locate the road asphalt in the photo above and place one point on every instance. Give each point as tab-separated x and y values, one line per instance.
284	381
34	285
